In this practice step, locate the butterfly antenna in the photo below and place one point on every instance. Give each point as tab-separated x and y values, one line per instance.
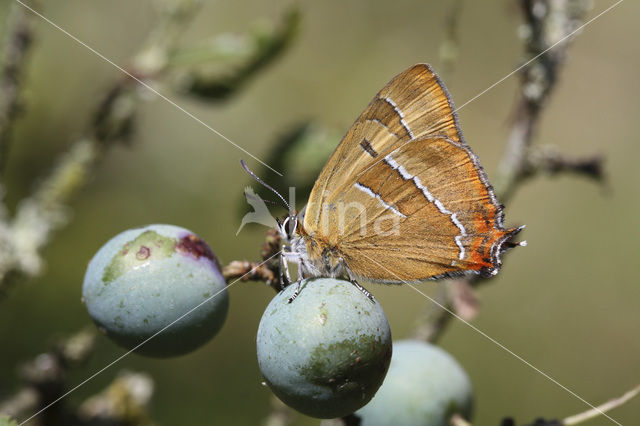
253	196
263	183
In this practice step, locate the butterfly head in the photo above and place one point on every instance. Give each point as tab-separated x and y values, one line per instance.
288	227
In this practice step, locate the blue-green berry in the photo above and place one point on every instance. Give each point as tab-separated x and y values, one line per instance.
327	352
425	386
144	279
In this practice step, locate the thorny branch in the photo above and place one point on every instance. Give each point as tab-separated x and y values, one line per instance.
547	160
546	22
268	272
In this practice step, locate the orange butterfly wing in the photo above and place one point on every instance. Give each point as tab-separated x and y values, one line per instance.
403	198
426	110
450	223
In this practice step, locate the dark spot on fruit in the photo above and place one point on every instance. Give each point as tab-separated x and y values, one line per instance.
143	253
192	245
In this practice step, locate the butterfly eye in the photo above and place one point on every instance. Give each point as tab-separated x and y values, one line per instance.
285	233
288	227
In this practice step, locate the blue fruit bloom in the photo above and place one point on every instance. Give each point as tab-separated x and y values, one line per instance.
144	279
425	386
326	353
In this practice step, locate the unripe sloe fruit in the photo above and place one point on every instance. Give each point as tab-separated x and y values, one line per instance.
144	279
327	352
425	386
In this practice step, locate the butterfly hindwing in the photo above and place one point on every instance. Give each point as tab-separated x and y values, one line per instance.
427	208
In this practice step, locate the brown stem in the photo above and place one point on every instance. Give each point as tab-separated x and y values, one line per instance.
280	415
45	210
458	420
45	377
267	271
449	46
545	22
17	42
603	408
547	160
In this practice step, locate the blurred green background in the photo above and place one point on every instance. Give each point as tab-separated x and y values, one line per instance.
568	303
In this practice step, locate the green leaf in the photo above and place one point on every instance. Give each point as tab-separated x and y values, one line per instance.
6	421
228	63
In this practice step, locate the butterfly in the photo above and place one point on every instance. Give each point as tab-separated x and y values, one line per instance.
402	199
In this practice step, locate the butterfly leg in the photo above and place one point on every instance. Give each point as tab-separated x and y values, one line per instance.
295	293
285	277
286	256
363	290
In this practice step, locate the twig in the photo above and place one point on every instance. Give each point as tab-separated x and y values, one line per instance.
123	402
45	211
45	376
430	323
449	46
280	415
266	47
547	160
545	23
17	42
348	420
458	420
22	239
607	406
268	272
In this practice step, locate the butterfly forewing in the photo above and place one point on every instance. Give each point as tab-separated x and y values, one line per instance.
412	105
